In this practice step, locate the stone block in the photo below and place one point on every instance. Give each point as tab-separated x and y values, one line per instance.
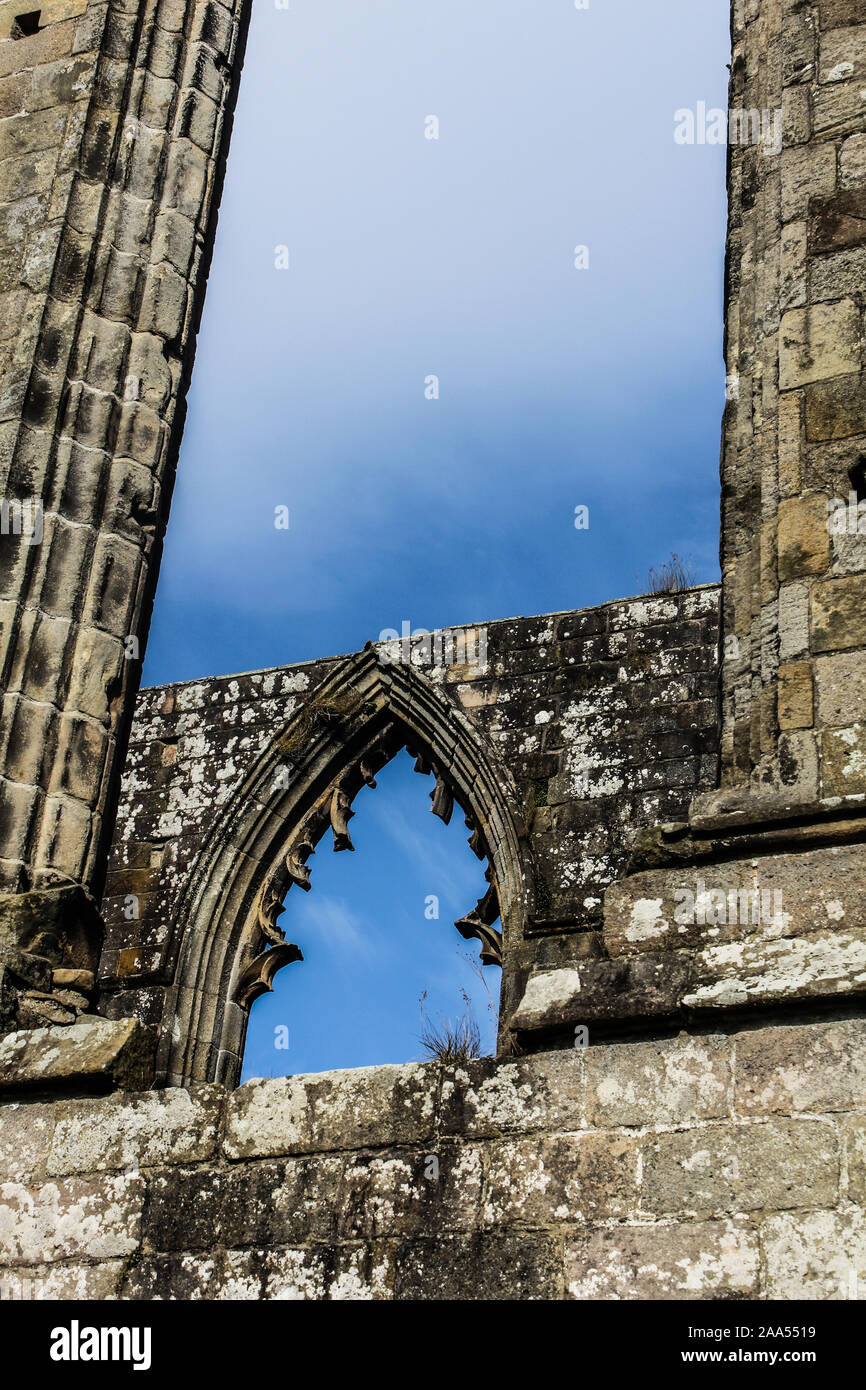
854	1138
827	964
73	1283
835	409
818	343
164	302
405	1193
837	14
837	222
341	1274
61	925
272	1203
724	1168
793	621
793	261
837	275
133	1131
790	442
189	1277
852	162
675	1081
803	538
56	85
95	1052
25	1141
484	1267
26	134
74	1219
565	1177
843	761
706	1259
64	836
714	906
796	118
808	171
838	107
187	176
601	991
817	1255
199	119
838	606
795	699
843	54
808	1068
486	1098
366	1107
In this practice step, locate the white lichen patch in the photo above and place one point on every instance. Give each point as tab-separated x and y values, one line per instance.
158	1127
295	1276
646	920
592	764
799	967
80	1218
817	1255
547	992
502	1102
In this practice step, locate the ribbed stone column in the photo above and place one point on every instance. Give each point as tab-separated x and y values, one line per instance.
113	132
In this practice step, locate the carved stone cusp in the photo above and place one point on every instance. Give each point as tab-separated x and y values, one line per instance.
476	840
376	756
341	814
297	866
422	762
258	976
479	923
490	938
269	909
487	908
443	800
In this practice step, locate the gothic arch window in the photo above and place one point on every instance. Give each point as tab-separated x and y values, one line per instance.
301	790
382	961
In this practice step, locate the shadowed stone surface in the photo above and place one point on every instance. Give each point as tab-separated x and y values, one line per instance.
95	1052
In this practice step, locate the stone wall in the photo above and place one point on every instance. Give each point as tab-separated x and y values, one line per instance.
596	723
703	1166
727	1161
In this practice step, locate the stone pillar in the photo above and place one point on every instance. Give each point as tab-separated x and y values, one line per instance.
114	122
794	435
758	900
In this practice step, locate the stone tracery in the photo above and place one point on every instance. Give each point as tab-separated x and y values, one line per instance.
257	977
229	943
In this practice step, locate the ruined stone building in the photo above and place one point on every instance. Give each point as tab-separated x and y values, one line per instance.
669	792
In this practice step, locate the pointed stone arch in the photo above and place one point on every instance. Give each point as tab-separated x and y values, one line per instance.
230	945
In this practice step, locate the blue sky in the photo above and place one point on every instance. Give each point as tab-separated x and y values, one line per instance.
370	949
411	257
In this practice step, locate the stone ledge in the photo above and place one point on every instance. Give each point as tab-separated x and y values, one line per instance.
733	823
698	939
95	1054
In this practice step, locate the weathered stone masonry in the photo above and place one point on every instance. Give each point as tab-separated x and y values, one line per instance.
710	1140
588	725
112	137
702	1167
